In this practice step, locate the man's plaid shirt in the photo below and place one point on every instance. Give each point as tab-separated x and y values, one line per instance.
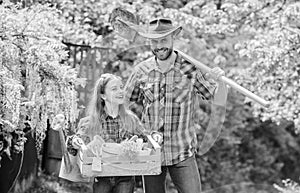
168	103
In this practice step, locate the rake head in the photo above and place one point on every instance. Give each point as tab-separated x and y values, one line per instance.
125	23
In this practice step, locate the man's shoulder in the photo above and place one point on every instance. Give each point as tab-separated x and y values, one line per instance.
184	65
145	66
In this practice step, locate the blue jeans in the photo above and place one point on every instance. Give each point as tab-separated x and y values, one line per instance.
185	176
119	184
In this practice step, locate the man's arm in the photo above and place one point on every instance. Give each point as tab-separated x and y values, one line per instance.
132	90
216	93
133	94
204	88
218	112
220	94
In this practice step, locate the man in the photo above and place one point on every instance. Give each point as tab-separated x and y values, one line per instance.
167	86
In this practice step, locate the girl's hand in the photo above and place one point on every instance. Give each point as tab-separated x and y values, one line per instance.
84	122
58	122
134	138
77	142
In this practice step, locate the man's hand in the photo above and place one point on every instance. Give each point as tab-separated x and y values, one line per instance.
157	137
216	73
220	95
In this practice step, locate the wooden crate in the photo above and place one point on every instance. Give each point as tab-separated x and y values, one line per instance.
114	163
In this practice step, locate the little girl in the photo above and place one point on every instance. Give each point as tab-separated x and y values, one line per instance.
108	118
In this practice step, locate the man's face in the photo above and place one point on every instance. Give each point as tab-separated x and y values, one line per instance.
162	47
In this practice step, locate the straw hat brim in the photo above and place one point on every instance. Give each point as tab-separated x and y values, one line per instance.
156	35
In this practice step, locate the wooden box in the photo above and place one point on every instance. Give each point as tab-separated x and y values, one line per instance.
114	163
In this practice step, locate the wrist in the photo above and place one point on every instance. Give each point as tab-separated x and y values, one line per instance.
155	132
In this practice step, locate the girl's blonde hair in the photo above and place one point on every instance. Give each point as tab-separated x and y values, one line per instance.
96	108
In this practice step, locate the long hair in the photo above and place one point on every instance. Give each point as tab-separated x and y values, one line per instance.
96	108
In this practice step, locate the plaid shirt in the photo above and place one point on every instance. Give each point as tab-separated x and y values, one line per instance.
113	131
168	103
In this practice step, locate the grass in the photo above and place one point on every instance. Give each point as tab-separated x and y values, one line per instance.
53	184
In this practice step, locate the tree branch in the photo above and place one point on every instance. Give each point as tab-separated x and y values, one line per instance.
219	4
280	8
256	11
84	46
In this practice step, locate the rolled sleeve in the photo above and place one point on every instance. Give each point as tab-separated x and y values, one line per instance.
133	94
132	88
204	88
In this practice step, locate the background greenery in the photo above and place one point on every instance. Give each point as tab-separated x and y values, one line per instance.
255	42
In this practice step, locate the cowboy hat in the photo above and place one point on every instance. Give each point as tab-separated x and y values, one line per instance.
159	28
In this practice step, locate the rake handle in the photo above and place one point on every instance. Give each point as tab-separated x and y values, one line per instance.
226	80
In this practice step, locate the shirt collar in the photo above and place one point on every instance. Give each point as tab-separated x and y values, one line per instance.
105	115
156	67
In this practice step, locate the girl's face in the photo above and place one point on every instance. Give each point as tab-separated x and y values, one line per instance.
114	91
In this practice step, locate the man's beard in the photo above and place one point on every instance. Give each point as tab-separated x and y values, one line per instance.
165	56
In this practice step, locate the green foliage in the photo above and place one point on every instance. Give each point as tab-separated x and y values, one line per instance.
249	153
54	184
35	83
255	42
274	52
